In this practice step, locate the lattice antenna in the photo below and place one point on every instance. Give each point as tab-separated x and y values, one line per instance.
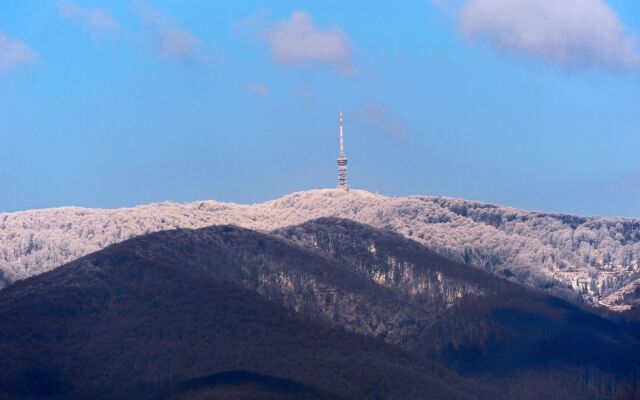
342	162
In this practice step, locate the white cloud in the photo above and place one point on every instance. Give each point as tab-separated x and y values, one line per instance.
298	41
14	52
171	41
260	89
570	33
382	116
94	19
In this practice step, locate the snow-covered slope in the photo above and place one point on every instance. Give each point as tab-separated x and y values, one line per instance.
587	257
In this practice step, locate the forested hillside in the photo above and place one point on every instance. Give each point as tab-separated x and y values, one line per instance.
589	258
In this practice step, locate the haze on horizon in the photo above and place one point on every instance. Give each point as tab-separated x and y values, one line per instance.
111	105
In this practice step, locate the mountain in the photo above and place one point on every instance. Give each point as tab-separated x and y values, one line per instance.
330	308
591	259
234	385
479	324
118	324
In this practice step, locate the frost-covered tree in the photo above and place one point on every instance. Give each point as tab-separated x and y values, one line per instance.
589	257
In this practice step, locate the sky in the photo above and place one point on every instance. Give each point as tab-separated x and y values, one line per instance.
529	103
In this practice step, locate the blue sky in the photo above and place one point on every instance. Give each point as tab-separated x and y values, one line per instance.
518	102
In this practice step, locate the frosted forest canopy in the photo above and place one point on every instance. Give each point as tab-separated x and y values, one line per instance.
589	258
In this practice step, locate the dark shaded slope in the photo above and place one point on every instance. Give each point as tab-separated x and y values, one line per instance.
486	326
332	271
244	385
535	346
117	324
310	282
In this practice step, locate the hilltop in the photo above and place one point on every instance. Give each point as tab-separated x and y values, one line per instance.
330	309
591	259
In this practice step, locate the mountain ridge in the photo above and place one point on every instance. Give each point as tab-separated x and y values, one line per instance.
181	304
142	316
586	258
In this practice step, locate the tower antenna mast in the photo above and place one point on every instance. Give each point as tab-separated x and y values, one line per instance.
342	162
